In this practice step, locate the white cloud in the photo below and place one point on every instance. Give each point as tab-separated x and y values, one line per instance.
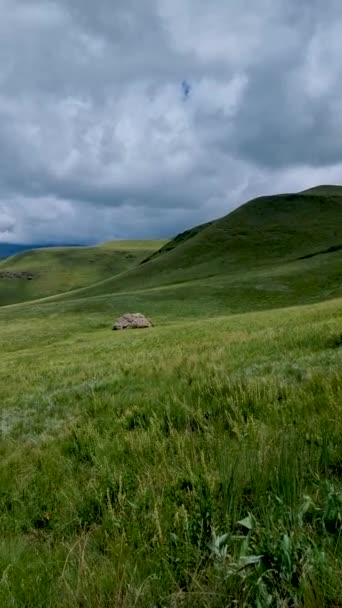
99	140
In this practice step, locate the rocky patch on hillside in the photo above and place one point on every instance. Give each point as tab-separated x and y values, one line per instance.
7	274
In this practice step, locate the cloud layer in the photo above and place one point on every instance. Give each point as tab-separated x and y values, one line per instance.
134	119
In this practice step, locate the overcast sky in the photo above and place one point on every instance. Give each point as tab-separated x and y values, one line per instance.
140	118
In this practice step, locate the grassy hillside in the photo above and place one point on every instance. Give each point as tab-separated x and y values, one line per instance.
263	231
177	240
60	269
274	251
325	190
196	464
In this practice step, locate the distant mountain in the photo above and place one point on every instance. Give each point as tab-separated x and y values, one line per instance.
8	249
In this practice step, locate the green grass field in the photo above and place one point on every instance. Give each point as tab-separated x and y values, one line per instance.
59	269
195	464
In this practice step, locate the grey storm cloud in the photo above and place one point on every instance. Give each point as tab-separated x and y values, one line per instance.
141	118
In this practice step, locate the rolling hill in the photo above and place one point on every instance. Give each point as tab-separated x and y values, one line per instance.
59	269
273	251
264	231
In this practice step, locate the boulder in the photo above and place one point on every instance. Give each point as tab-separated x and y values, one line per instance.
132	321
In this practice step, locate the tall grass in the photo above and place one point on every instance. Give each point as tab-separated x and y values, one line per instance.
196	464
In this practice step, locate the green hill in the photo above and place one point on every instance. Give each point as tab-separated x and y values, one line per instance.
262	232
60	269
273	251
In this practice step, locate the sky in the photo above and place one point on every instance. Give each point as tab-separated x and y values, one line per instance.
141	118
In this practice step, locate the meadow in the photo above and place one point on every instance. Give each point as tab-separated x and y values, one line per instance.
195	464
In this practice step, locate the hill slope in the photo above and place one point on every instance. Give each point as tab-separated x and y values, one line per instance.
261	232
177	240
60	269
273	251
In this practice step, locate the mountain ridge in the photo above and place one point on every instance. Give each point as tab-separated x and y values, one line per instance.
9	249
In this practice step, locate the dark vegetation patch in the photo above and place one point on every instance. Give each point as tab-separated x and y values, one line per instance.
25	275
324	251
336	341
